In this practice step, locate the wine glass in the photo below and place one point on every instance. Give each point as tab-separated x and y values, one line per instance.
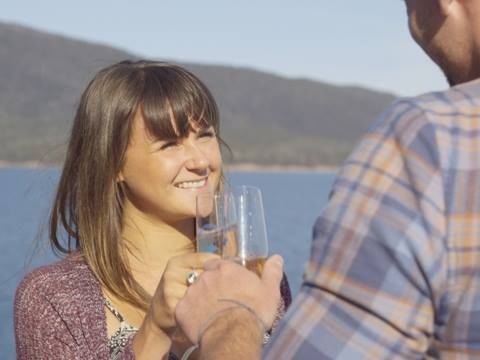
250	245
215	222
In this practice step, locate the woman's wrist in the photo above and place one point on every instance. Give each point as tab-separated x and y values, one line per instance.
150	341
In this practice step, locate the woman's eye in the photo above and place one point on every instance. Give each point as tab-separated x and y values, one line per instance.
168	144
206	134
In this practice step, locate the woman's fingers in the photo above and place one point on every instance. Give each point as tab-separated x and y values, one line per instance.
173	285
175	279
183	270
213	264
192	260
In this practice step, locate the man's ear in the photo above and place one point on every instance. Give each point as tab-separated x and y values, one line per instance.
446	6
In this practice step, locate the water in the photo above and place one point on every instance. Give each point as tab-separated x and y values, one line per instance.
291	200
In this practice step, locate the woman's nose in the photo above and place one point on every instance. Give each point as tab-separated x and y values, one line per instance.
196	160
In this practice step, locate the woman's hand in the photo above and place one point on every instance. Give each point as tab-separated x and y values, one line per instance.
172	288
154	338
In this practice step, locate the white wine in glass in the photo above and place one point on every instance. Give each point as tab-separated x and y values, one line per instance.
250	248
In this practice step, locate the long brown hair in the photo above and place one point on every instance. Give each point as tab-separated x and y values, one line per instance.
87	210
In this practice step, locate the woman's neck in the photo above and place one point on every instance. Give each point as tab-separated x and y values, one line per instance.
151	243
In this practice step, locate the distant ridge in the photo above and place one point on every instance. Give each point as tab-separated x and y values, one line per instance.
266	119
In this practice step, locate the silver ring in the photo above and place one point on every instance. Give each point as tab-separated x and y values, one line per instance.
192	276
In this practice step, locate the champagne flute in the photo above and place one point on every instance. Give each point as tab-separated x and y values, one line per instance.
249	247
215	222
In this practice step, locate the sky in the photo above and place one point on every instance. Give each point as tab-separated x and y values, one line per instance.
343	42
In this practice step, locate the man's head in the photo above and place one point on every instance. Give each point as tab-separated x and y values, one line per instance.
449	32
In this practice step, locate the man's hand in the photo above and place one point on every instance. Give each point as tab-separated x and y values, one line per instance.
172	288
225	284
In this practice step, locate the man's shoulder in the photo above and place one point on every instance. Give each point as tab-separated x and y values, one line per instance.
434	110
457	100
63	279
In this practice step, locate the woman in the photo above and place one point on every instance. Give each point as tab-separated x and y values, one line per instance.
144	144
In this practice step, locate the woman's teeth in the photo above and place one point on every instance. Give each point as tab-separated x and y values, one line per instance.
192	184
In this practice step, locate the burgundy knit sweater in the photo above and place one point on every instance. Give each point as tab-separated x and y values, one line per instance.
59	314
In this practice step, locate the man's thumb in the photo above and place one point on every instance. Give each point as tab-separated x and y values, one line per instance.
273	272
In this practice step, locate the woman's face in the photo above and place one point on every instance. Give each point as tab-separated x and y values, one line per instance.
163	177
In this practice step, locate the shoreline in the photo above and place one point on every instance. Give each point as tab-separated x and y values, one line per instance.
249	167
32	164
241	167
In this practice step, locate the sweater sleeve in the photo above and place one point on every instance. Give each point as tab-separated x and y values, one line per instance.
40	331
51	324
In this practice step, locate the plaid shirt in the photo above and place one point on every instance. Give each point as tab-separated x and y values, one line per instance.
394	271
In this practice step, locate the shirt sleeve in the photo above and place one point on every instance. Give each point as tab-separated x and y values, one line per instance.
378	264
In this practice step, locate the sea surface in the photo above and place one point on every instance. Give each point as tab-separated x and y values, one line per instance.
292	201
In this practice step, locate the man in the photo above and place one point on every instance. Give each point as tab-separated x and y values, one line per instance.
395	264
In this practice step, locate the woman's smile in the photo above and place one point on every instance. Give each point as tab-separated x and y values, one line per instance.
192	184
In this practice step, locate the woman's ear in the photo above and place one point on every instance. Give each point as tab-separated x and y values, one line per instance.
120	177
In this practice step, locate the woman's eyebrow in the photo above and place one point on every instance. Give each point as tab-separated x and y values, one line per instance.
165	138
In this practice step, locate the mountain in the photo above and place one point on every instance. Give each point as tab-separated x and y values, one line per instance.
266	119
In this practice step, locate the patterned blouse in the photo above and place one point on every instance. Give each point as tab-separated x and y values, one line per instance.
119	339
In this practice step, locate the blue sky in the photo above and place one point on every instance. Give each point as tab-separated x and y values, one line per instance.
353	42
